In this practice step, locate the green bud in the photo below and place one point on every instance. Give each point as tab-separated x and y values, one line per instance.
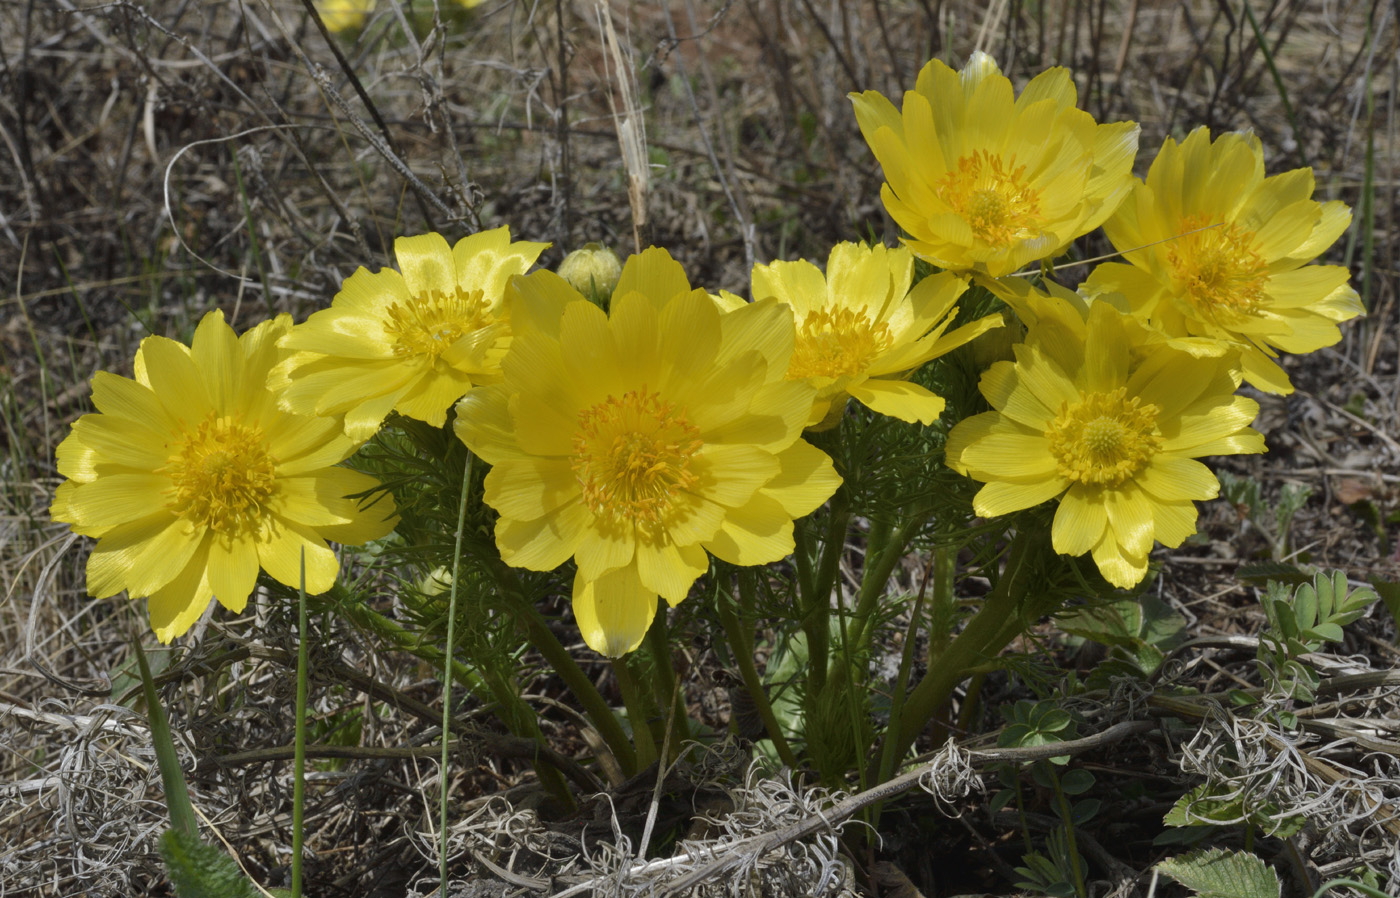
593	271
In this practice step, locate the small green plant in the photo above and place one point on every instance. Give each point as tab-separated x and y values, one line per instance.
1303	620
1216	873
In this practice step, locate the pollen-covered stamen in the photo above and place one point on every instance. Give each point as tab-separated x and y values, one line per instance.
633	457
1218	269
1105	438
992	195
223	476
835	342
429	324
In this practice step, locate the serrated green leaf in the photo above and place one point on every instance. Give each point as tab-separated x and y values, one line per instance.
1215	873
198	870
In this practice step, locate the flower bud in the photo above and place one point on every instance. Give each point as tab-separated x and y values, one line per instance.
592	270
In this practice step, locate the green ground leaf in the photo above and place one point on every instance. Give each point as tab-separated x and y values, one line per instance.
198	870
1214	873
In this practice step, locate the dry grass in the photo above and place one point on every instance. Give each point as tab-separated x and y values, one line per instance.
164	159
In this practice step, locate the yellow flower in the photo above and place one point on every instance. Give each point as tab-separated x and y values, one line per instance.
636	441
982	180
343	15
1104	415
861	330
191	479
1220	251
414	342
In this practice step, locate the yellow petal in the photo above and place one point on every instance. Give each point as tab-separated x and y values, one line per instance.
486	260
1171	479
116	499
604	549
1118	567
544	543
109	443
900	399
529	487
760	532
175	378
432	395
1011	455
141	556
667	570
806	479
217	356
233	571
613	612
1079	521
1130	516
174	608
281	547
653	274
119	397
998	498
484	424
427	264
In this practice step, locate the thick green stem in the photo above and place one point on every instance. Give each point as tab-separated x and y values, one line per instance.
638	712
877	574
901	686
664	683
594	706
817	616
994	625
741	647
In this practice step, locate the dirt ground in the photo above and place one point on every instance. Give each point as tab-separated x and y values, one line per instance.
161	160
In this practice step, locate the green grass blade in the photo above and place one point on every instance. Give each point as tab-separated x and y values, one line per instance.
177	796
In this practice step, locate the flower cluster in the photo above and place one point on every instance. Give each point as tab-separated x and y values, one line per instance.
637	426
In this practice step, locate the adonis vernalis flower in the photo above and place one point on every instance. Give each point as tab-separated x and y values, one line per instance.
191	479
414	342
638	440
982	180
342	15
1107	417
1218	250
861	330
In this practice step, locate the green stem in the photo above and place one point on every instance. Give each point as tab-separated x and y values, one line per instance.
637	712
447	676
901	686
877	574
993	626
664	683
594	706
816	619
299	743
1071	843
346	604
741	647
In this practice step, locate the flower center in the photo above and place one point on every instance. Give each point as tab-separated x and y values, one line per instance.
834	342
429	324
223	475
1218	269
1104	439
632	457
992	195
